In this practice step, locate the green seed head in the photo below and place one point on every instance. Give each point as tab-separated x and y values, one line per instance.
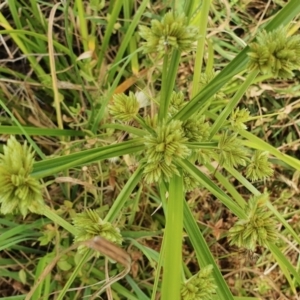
20	193
171	32
89	225
275	53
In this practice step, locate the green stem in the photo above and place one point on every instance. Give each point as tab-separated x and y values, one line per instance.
142	122
231	189
22	129
203	253
257	143
232	104
74	274
124	195
52	215
169	74
15	37
83	27
163	103
116	8
130	32
237	65
237	175
56	94
171	280
162	192
200	47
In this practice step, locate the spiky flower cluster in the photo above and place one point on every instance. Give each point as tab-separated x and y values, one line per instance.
275	53
259	166
203	156
231	151
259	228
199	287
19	191
124	108
205	79
171	32
238	118
89	225
196	129
189	181
163	147
176	103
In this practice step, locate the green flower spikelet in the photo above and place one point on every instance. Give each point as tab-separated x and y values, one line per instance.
259	167
258	229
162	149
124	108
196	129
275	53
205	79
199	287
172	31
89	225
238	118
231	151
189	181
19	192
176	103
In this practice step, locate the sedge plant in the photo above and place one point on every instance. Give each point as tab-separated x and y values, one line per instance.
170	140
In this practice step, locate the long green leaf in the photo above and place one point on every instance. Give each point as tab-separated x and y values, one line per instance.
172	245
129	32
248	185
124	195
257	143
203	253
212	187
229	108
53	165
284	264
40	131
290	11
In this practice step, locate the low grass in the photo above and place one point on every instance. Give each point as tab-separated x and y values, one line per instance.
63	66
